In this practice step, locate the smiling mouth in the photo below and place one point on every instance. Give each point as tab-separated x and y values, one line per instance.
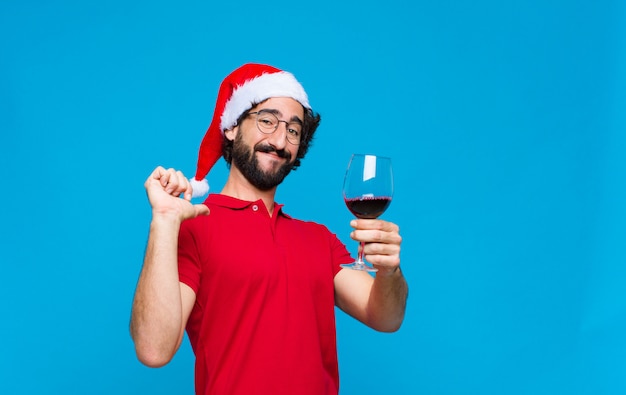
283	154
272	159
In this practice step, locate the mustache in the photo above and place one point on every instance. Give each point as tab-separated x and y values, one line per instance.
268	148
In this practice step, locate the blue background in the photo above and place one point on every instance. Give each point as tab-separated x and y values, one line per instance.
505	120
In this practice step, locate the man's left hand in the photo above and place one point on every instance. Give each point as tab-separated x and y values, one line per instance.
382	243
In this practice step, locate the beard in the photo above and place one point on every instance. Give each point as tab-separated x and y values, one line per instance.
246	161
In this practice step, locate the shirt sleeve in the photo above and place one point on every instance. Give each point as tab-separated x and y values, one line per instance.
340	253
188	257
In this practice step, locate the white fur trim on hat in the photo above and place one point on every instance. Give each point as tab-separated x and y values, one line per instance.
258	89
199	188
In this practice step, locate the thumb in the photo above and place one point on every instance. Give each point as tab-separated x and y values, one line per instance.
201	209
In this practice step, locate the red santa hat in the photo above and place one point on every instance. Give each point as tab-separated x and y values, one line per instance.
245	87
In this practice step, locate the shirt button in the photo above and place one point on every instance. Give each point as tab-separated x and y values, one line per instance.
255	207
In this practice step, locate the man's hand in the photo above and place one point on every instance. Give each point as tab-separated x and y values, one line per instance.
382	243
164	189
380	301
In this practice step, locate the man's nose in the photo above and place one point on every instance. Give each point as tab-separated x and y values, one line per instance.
279	138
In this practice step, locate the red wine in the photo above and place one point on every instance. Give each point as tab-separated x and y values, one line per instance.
368	207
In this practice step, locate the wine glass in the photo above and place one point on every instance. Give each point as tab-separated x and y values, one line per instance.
367	191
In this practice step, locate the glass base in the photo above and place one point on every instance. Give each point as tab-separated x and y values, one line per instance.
358	266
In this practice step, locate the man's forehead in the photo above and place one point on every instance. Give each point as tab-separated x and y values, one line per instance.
275	108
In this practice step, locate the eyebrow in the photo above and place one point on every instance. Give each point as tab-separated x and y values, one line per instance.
278	113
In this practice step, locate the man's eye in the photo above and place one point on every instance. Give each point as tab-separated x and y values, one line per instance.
294	132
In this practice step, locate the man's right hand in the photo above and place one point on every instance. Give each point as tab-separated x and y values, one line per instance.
164	188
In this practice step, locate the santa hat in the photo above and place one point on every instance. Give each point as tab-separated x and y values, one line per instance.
249	85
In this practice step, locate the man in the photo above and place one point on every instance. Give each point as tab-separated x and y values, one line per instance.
254	288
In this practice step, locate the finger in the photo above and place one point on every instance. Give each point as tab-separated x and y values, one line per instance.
159	174
188	192
374	224
381	249
177	183
201	209
376	236
172	181
385	255
184	187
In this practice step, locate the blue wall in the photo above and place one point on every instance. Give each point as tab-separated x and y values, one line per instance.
505	121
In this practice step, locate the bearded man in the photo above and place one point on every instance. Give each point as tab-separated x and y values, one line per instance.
254	288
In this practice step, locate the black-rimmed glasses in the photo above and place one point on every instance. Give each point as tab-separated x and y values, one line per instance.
267	123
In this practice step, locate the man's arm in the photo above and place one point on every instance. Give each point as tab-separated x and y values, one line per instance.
378	302
162	304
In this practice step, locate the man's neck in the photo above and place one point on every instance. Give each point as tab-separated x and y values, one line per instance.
239	187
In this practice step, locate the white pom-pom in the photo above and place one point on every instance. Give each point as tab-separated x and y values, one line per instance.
200	188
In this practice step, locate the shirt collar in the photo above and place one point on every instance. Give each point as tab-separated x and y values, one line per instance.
238	204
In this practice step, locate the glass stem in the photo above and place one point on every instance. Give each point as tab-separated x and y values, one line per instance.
360	255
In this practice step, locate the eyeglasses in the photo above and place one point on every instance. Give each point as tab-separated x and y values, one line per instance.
267	123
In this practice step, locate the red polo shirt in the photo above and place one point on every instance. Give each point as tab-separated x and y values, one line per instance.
263	321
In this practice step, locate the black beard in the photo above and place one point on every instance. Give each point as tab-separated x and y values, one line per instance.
247	163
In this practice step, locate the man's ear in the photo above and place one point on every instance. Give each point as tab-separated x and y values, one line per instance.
231	133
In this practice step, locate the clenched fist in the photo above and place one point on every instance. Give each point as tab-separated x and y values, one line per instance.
165	189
